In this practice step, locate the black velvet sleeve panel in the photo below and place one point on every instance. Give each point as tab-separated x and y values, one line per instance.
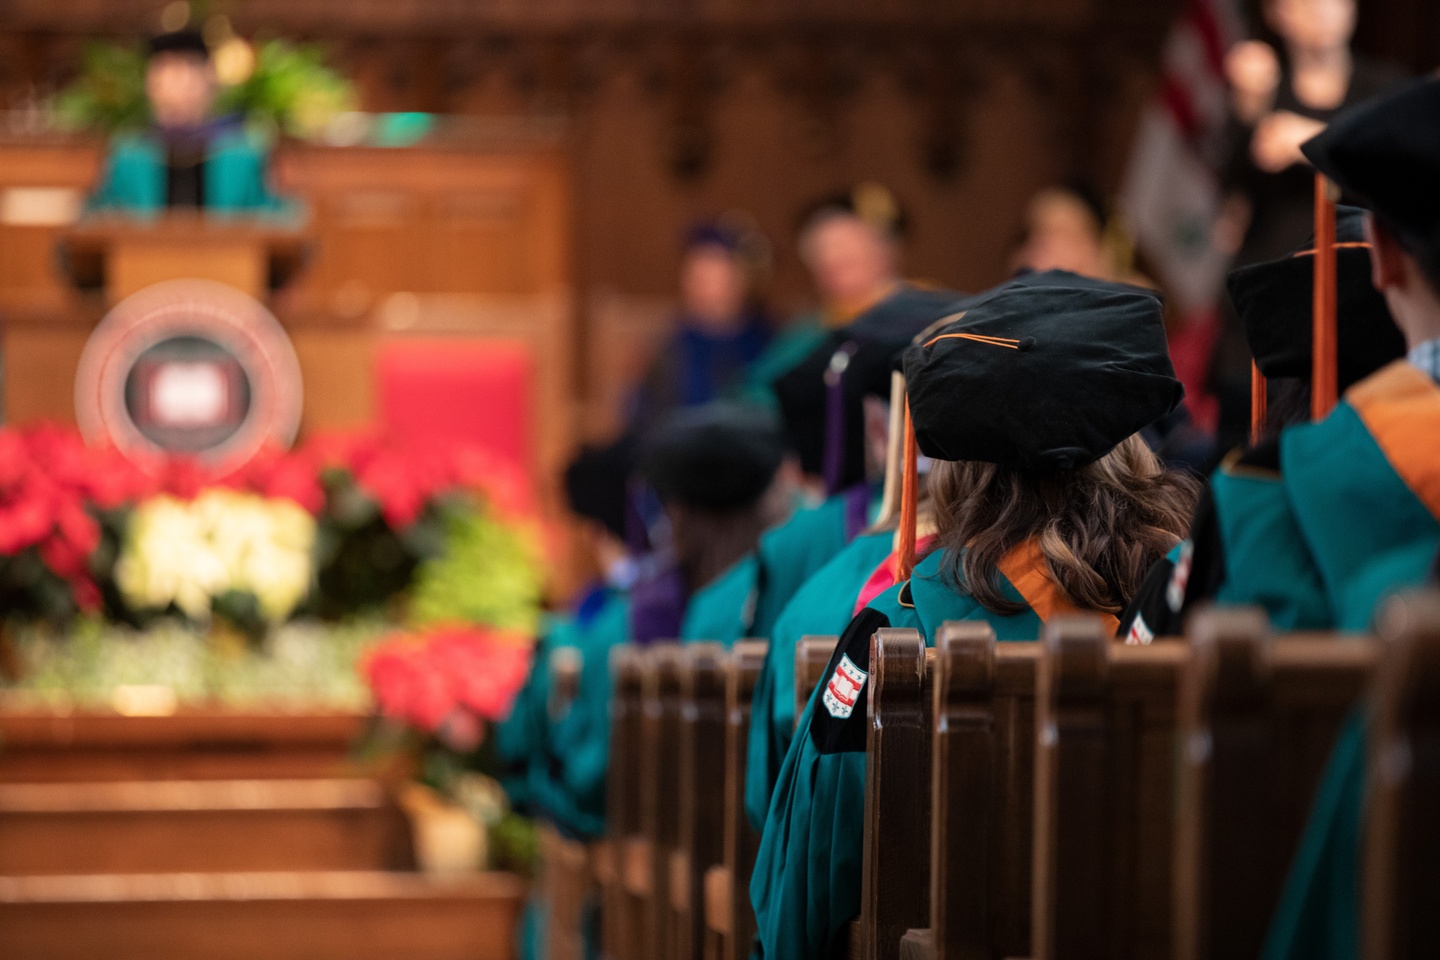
837	723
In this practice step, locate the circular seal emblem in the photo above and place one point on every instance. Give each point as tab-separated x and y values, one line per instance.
189	367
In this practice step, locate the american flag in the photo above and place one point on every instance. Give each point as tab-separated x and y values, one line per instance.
1171	192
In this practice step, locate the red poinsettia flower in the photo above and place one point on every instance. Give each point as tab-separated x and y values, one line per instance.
485	668
405	686
442	681
277	473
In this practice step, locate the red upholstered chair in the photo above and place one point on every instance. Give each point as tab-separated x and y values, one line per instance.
459	389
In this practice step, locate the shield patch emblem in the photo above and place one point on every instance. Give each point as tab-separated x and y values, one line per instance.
842	691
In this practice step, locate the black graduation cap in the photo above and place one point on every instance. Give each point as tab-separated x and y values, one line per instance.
179	41
861	355
719	456
597	483
1274	301
1385	153
1050	371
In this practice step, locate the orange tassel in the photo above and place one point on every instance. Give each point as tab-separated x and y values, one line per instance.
909	500
1324	378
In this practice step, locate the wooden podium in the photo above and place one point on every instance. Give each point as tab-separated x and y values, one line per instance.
127	255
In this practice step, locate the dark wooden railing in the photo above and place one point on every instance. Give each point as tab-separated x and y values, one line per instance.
1069	798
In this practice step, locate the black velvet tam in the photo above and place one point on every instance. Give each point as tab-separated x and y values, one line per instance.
1385	153
721	456
870	345
1275	304
1048	372
597	483
179	41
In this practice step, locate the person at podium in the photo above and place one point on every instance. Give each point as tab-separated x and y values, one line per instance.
187	158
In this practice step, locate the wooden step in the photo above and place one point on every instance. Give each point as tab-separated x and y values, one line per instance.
243	916
43	746
204	825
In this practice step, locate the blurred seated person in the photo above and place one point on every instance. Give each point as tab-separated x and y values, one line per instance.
850	243
722	328
1069	227
722	475
187	157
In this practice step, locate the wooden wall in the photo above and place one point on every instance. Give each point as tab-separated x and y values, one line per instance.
679	110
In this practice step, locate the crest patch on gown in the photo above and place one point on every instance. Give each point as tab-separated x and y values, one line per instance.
842	691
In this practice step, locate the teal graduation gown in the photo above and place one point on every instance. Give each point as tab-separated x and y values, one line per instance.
1245	548
578	745
823	606
793	552
806	884
521	735
133	178
1365	489
721	610
745	600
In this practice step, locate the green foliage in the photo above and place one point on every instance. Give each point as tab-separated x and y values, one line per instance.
109	94
301	664
363	564
488	573
29	590
290	91
515	845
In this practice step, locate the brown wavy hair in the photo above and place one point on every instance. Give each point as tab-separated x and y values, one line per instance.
1100	527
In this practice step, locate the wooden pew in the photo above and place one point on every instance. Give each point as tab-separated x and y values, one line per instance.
659	810
1104	795
566	884
1258	719
623	868
894	895
567	878
1402	830
698	842
982	784
729	917
812	655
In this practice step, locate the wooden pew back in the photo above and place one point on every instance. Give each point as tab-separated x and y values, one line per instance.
729	917
566	879
1402	830
1104	795
659	811
700	796
566	885
982	785
812	655
623	875
894	895
1258	719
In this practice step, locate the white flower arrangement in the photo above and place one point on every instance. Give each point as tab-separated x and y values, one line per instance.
190	552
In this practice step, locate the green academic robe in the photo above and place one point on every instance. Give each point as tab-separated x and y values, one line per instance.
521	735
134	176
571	791
1364	485
806	884
822	606
722	609
554	754
1245	548
793	552
745	600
